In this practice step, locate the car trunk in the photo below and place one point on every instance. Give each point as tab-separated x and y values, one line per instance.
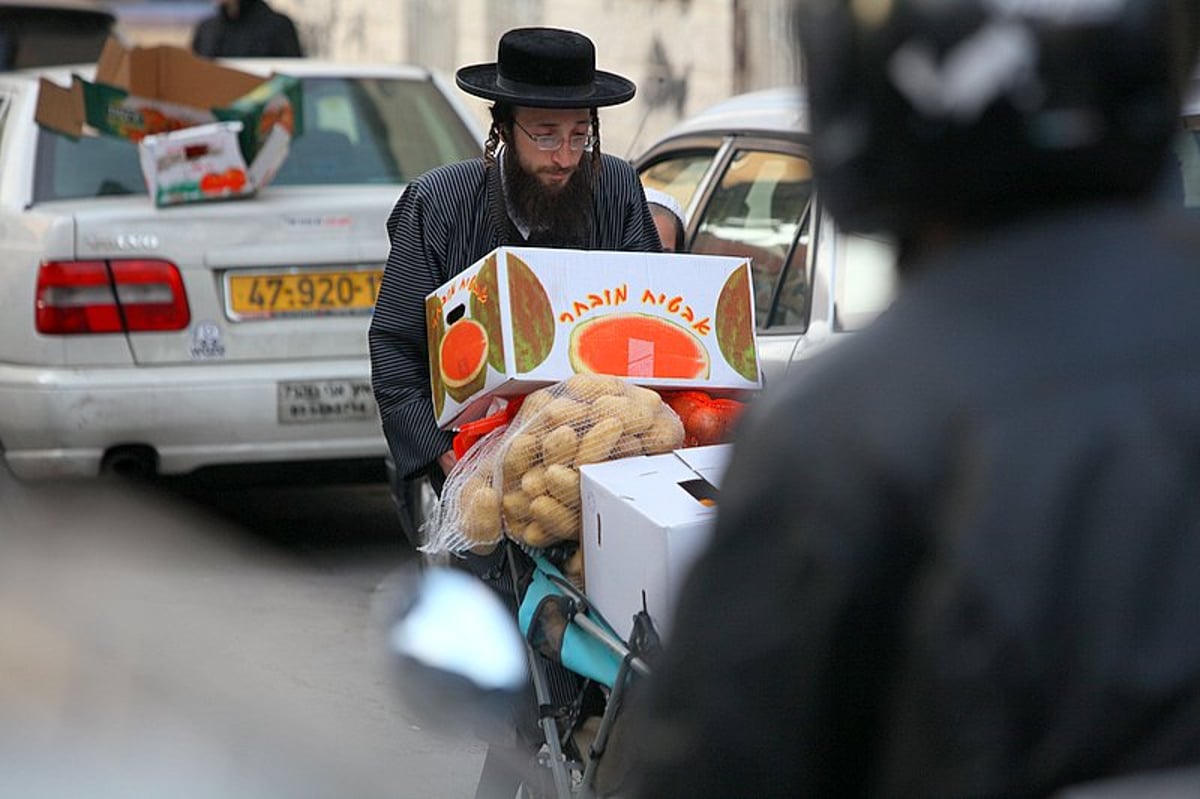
263	283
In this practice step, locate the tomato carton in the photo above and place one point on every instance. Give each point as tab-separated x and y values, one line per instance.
522	318
139	92
205	163
645	520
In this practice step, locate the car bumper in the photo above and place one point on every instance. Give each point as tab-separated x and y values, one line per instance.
62	422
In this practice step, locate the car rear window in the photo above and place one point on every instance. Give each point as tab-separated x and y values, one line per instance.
356	131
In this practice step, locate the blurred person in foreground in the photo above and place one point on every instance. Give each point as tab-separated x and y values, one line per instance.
668	220
958	556
246	28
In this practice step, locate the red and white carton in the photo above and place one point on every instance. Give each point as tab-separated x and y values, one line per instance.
523	318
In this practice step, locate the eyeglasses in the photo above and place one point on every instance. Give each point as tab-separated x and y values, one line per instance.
550	143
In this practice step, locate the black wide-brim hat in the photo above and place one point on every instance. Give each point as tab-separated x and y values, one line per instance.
545	68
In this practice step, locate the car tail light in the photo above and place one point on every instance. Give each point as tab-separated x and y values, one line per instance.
151	295
83	297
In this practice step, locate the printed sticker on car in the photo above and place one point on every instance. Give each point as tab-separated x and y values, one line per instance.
313	401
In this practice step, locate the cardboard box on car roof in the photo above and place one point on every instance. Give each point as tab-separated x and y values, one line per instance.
141	92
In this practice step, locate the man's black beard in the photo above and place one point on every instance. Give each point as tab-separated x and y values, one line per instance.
560	218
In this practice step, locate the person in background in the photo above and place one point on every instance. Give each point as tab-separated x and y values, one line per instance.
957	556
248	28
542	181
668	219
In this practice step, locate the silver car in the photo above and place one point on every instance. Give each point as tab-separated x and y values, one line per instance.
164	340
741	172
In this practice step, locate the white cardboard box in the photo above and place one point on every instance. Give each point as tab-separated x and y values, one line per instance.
542	315
205	162
645	520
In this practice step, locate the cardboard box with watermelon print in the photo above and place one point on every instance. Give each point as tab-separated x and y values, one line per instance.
522	318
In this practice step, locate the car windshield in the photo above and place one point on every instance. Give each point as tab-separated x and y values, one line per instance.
356	131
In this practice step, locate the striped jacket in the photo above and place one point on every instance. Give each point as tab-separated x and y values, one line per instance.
442	224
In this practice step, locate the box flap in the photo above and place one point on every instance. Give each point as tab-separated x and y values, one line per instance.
60	109
175	75
165	72
708	462
113	65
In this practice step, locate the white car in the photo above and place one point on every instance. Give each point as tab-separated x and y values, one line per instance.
740	170
162	340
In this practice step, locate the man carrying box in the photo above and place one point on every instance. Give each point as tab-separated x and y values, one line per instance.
541	182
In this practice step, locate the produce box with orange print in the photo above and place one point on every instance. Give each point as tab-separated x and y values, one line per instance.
205	163
163	90
522	318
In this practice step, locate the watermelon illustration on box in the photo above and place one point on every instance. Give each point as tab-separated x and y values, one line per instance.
522	318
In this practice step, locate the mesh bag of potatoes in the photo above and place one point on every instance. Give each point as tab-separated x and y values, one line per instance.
523	481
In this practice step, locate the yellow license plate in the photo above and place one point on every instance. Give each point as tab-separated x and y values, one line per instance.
302	293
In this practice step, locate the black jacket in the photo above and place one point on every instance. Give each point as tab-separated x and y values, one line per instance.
257	31
960	555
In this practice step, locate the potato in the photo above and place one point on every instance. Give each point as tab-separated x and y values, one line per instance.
628	446
516	507
560	445
521	455
533	482
639	417
532	406
574	564
481	518
588	387
664	435
597	444
573	569
611	405
555	518
535	535
562	483
564	410
466	495
646	396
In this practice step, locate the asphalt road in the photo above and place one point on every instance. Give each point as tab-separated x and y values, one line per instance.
196	639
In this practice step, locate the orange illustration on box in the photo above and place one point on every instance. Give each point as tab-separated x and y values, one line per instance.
637	345
232	179
463	358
